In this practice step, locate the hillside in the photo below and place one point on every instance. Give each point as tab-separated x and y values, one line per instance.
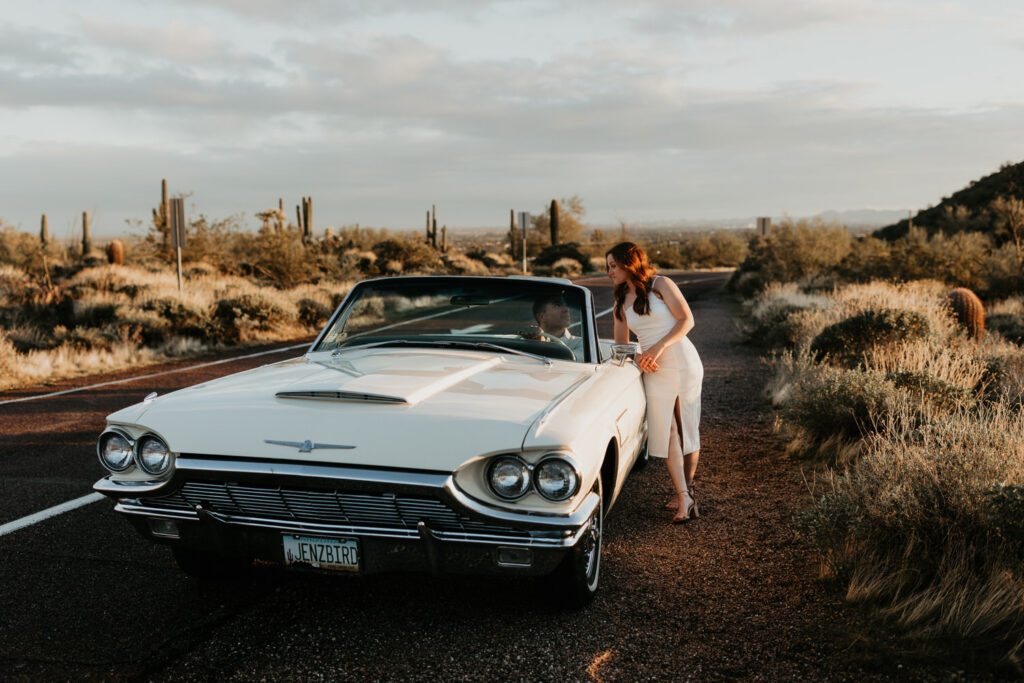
966	209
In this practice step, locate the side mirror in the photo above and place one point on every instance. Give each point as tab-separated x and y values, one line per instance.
620	352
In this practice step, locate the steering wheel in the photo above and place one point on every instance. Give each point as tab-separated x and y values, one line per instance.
548	338
541	336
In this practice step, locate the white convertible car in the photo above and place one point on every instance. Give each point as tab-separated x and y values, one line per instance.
432	426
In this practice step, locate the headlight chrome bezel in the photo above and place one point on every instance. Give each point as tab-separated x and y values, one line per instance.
140	446
110	433
531	472
574	489
135	462
527	476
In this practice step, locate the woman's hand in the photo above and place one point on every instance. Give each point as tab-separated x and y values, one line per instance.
647	361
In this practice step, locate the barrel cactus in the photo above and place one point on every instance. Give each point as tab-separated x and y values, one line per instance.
968	310
115	253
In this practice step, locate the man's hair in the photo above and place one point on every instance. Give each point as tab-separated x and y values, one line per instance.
542	302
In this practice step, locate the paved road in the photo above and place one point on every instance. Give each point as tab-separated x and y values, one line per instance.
84	597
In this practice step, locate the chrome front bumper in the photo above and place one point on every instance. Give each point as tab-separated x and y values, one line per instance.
481	523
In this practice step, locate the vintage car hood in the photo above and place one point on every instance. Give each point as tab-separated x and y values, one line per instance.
412	408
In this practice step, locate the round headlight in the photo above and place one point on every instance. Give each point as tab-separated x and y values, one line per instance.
556	479
509	477
115	451
153	456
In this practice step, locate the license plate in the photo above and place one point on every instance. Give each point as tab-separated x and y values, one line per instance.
336	554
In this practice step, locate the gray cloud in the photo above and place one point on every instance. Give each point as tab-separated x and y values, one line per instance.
754	17
29	49
176	43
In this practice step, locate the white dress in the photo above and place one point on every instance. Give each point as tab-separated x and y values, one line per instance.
679	375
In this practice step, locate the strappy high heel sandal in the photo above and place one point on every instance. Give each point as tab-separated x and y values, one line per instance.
683	516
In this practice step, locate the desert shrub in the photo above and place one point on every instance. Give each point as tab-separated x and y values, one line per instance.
282	258
928	525
836	402
552	254
566	267
931	390
183	318
1010	326
459	264
396	255
790	251
721	248
236	318
774	318
848	340
16	286
1004	512
313	313
86	314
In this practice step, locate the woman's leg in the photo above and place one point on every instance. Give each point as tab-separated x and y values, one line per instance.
677	472
690	466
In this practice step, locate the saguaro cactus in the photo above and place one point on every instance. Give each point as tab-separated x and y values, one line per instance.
969	311
115	253
554	221
86	238
428	227
433	226
44	231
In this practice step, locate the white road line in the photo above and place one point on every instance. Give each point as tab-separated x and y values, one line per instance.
49	512
154	374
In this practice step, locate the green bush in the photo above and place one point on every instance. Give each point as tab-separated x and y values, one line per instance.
848	340
791	251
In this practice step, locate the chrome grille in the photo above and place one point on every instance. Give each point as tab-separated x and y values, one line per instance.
323	507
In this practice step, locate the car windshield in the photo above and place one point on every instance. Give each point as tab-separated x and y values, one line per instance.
540	318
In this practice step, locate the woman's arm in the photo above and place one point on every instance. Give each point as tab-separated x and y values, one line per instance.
621	330
673	298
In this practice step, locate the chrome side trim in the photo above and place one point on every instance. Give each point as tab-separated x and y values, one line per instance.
289	526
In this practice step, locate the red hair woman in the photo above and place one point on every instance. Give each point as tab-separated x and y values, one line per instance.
654	309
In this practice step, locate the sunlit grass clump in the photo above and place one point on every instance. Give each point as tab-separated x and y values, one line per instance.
112	317
915	432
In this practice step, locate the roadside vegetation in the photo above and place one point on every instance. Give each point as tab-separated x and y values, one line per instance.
69	309
909	416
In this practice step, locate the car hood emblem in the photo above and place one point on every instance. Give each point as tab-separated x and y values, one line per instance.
306	446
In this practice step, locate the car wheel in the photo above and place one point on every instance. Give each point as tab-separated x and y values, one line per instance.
642	458
208	566
578	575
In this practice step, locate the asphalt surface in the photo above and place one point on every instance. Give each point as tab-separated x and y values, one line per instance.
84	597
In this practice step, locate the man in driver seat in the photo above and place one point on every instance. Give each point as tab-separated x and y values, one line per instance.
553	315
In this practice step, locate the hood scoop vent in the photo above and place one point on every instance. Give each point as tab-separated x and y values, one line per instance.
355	396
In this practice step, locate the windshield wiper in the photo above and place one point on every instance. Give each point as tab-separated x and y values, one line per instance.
453	343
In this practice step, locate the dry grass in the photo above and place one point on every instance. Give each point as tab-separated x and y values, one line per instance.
912	441
114	317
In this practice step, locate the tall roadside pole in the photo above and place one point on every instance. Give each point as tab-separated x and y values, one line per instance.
524	220
176	226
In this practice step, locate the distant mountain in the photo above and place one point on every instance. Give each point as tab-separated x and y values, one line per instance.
966	209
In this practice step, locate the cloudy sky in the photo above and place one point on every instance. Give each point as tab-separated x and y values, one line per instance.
649	110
